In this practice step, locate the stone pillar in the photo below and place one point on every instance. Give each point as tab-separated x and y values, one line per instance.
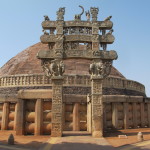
89	114
148	114
15	117
134	115
126	115
64	112
5	114
20	117
115	115
142	115
38	117
57	112
76	119
97	107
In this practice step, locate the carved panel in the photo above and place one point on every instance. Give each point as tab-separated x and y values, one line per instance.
78	38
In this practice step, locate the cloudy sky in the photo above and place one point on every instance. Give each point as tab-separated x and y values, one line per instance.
20	27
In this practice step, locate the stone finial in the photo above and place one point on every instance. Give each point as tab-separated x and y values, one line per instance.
140	137
11	139
94	11
60	13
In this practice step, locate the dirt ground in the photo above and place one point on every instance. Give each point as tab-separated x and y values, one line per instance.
25	141
131	134
112	137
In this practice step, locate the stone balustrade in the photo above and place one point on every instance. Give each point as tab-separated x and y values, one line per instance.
69	80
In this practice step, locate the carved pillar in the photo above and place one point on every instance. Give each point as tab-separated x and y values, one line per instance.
59	40
5	116
95	37
97	107
57	112
38	117
20	117
126	115
76	119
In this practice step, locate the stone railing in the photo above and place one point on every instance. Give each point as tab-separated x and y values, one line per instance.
74	80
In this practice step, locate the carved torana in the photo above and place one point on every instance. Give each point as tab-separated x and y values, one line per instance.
77	39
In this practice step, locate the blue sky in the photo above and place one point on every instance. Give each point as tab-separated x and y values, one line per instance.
20	27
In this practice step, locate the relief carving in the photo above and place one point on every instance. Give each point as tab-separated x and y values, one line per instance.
101	69
53	67
60	13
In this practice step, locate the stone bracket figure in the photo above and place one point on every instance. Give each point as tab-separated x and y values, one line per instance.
60	13
53	67
100	68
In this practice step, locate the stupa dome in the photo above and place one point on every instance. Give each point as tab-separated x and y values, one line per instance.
26	62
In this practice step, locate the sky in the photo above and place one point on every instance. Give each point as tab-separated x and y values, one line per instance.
20	27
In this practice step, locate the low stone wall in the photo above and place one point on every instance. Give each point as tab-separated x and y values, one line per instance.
125	112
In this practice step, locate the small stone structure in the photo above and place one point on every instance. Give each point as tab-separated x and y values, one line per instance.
72	86
140	137
11	139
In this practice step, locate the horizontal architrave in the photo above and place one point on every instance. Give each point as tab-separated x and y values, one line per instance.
35	94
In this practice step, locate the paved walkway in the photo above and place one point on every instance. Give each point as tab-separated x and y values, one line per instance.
145	145
77	143
80	143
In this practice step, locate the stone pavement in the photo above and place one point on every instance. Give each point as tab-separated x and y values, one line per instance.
77	143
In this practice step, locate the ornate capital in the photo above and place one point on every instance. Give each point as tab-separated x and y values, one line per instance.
53	68
100	69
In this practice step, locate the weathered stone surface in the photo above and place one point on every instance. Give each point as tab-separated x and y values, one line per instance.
27	63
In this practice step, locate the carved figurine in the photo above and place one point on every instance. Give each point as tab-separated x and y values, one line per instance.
60	13
46	18
104	46
45	32
108	18
94	11
61	68
99	68
87	13
78	16
92	69
110	31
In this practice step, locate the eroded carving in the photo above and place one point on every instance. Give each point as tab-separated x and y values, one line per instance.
53	67
46	18
78	16
60	13
108	18
88	15
94	11
100	68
